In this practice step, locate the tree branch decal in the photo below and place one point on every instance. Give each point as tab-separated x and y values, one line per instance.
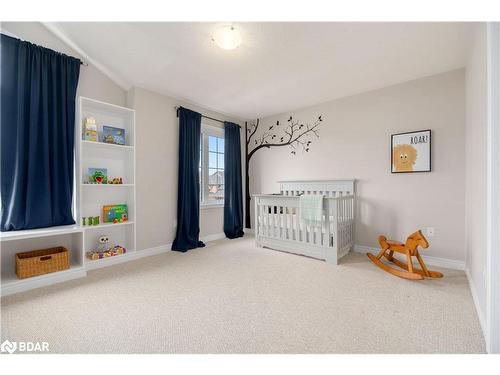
295	134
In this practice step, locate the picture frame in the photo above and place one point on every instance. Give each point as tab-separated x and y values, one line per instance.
411	152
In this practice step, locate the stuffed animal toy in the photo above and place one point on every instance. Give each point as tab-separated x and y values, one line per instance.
102	243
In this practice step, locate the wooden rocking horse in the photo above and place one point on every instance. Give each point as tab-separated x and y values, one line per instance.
410	249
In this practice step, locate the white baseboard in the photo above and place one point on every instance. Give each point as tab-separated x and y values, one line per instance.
248	230
475	298
213	237
434	261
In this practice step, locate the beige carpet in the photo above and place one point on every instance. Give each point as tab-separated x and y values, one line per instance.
231	297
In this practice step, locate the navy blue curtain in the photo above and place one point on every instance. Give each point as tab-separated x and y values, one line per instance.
233	196
188	187
38	89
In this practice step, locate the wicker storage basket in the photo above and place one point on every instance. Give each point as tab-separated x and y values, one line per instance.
39	262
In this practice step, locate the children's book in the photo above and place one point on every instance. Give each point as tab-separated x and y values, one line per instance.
115	213
89	129
113	135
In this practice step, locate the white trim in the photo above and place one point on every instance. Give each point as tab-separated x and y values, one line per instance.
208	131
42	280
115	106
492	333
204	206
88	59
38	233
213	237
475	299
435	261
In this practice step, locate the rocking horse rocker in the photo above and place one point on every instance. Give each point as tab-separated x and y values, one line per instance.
410	249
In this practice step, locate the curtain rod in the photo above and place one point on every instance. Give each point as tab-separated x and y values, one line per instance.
8	33
202	115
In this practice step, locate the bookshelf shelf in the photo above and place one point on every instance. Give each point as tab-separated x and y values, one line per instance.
106	225
106	145
102	186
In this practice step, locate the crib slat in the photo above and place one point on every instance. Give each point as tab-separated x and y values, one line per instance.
268	220
277	221
287	223
273	220
326	239
281	223
284	223
257	221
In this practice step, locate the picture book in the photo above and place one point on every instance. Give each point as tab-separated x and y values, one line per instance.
113	135
115	213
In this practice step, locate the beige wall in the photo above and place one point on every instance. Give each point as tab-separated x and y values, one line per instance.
92	82
157	143
476	166
157	132
355	143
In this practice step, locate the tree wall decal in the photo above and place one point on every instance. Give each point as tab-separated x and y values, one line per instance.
295	134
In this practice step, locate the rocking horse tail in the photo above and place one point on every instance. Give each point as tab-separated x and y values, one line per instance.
382	240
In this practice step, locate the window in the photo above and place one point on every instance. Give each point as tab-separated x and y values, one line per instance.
212	166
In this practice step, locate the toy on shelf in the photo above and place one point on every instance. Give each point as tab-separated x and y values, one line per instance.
90	129
115	213
113	135
98	175
116	181
102	243
91	220
104	251
410	249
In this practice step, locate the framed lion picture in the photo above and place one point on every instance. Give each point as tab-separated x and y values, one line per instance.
411	152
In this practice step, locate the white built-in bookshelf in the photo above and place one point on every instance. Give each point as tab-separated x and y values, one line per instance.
119	160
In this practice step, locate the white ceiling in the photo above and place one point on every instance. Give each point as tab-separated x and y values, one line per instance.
279	67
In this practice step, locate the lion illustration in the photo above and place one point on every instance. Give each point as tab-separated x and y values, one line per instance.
403	158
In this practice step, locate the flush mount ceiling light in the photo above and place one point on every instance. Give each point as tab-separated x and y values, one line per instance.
227	37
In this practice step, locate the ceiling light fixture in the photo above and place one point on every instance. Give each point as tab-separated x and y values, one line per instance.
227	37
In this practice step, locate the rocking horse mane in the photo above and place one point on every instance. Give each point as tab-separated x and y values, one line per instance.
417	238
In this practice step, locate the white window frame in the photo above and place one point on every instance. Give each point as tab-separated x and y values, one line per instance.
206	131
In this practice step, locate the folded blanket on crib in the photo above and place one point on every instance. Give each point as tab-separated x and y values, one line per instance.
311	208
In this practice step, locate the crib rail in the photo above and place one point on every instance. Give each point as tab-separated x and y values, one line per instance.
278	217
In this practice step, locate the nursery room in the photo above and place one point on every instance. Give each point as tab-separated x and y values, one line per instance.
250	187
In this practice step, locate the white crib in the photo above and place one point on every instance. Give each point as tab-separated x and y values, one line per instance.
277	224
